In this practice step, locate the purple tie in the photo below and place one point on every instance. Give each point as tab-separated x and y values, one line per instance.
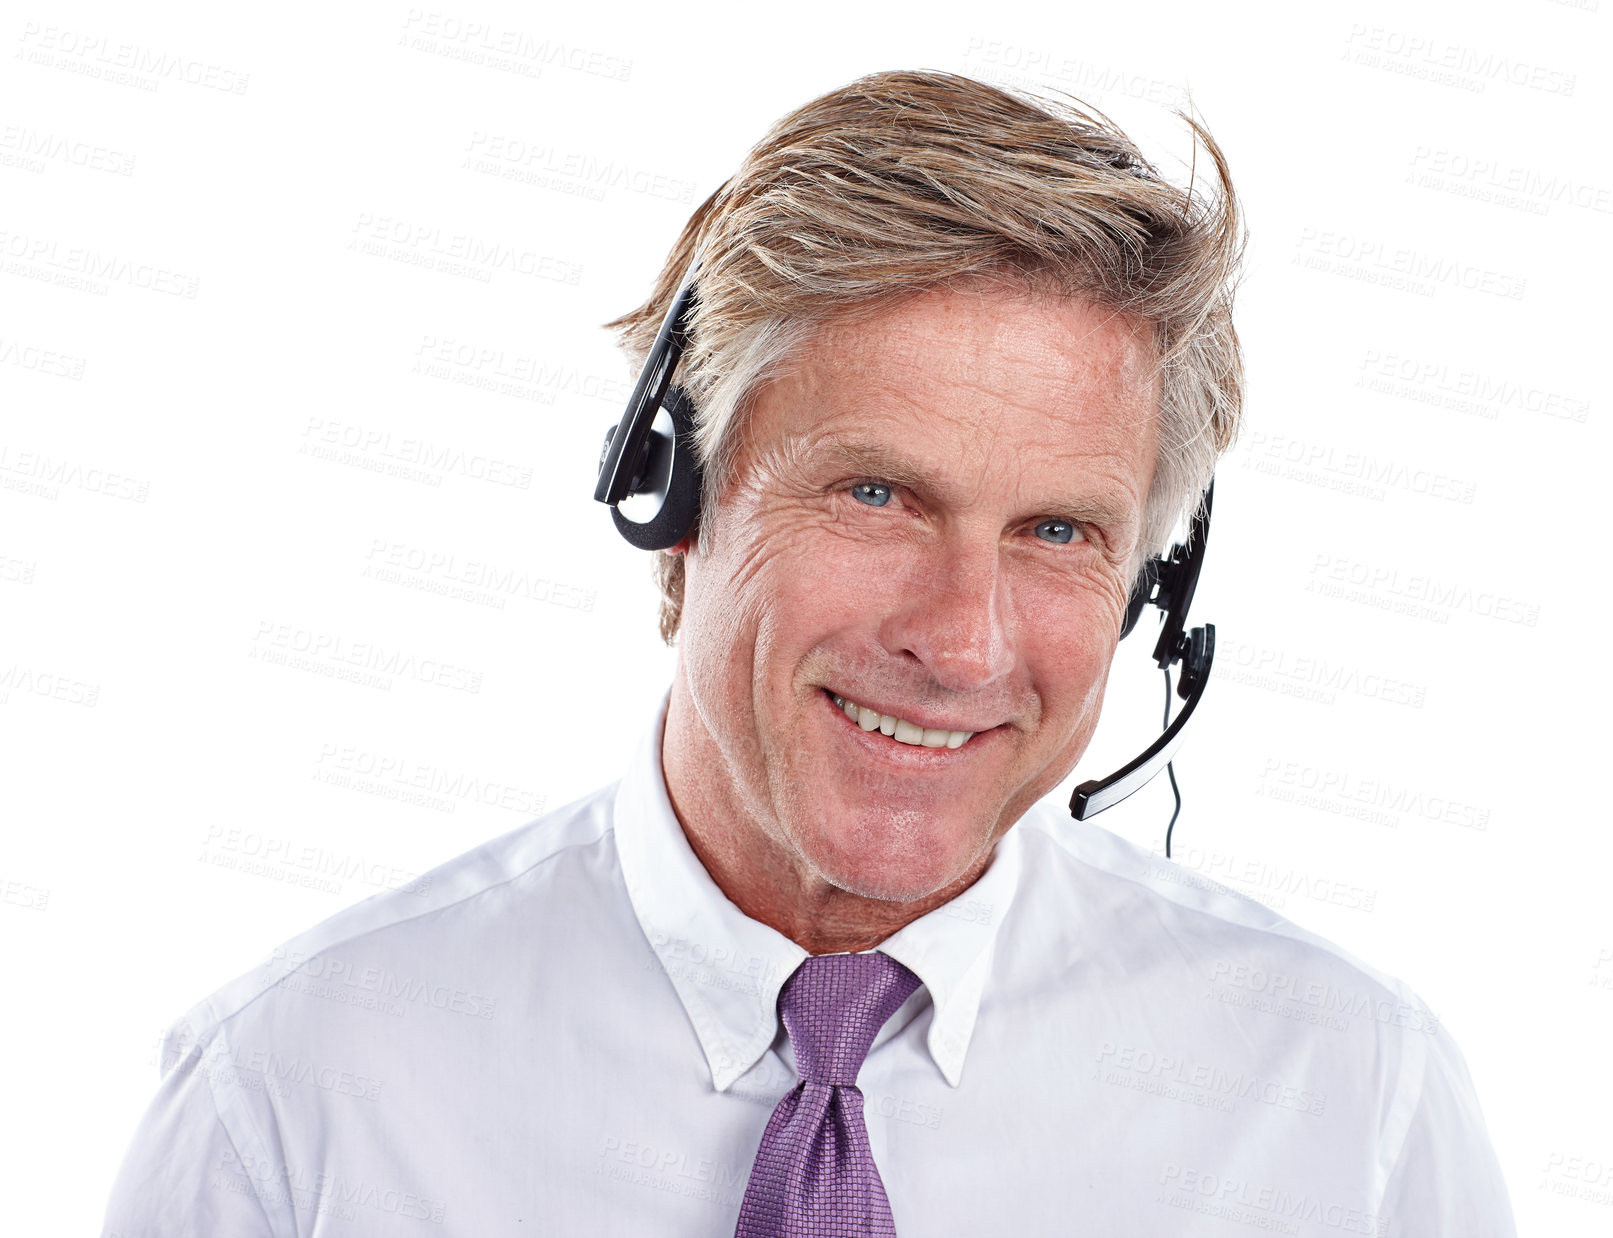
814	1175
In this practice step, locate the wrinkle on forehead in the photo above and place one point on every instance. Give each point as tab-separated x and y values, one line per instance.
1056	407
901	335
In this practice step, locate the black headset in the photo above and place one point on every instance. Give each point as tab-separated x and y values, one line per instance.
649	467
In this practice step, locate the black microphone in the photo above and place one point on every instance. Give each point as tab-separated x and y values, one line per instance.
1169	583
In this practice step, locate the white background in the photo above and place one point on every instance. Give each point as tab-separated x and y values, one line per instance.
223	321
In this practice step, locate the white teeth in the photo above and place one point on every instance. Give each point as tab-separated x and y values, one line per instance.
901	730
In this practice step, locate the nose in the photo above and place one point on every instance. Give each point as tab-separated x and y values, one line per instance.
952	617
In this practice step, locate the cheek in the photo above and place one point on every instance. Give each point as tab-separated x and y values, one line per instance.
767	584
1066	639
800	555
819	594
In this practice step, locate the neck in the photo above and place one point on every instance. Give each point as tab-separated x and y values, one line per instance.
746	853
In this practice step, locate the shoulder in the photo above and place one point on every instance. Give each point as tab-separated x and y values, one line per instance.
1219	976
1157	906
1231	970
1225	965
448	913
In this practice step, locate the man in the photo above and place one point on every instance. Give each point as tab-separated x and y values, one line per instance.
823	962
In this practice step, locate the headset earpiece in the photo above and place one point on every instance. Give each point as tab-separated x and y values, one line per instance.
649	471
664	494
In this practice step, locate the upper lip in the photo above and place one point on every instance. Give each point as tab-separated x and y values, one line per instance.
917	716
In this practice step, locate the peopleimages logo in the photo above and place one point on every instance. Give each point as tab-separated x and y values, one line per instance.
381	982
283	853
322	1190
1261	1205
33	148
1349	790
1136	1066
482	43
1489	180
540	163
1312	676
1399	266
88	269
352	766
1452	64
1381	1006
130	64
326	438
424	244
1352	472
1022	64
302	648
40	360
27	681
1416	587
1258	875
44	471
1464	390
272	1066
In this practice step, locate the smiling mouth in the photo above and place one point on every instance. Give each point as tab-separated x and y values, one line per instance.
899	729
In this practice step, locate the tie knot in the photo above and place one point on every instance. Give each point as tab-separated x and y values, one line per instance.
834	1005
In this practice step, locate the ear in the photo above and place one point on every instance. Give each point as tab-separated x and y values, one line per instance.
686	544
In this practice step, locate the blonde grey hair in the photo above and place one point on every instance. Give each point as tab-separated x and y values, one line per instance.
904	182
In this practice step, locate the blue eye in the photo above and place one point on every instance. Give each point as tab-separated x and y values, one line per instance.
872	493
1055	531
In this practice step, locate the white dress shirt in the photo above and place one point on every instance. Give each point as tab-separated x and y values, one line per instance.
570	1030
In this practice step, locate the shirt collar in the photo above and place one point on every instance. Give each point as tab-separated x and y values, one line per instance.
728	968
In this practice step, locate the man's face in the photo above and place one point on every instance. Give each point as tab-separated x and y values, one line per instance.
932	516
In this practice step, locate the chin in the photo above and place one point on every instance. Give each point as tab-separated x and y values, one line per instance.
894	857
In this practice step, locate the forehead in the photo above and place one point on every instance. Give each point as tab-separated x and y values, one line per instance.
1035	392
948	333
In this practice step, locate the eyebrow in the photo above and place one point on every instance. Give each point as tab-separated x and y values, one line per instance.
875	461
